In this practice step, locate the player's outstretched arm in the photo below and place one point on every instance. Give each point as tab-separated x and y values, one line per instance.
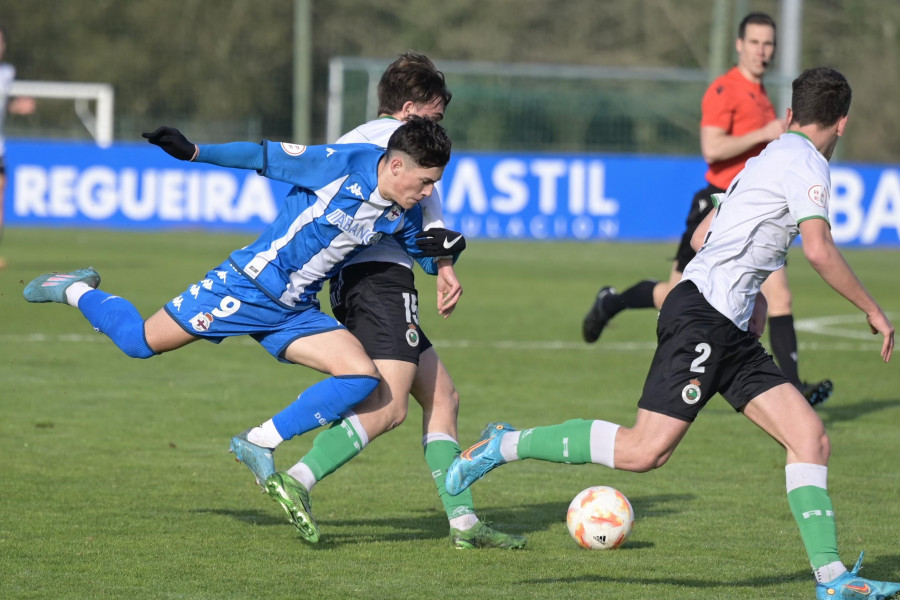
238	155
826	259
172	142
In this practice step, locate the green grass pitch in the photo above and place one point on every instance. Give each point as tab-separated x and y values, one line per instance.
117	482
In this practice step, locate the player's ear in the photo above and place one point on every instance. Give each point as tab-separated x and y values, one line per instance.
841	124
788	116
396	164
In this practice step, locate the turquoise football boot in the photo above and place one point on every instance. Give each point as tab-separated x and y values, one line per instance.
51	287
258	458
850	586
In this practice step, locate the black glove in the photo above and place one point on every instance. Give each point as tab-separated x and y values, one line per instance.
172	141
440	242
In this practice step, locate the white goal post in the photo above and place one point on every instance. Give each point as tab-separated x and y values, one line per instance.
99	122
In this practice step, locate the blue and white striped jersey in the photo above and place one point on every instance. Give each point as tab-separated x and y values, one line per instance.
333	212
379	131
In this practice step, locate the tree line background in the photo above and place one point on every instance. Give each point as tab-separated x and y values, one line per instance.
223	68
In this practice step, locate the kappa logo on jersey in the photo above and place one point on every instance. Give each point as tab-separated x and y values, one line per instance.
348	224
394	213
691	393
329	152
818	195
293	149
356	190
201	321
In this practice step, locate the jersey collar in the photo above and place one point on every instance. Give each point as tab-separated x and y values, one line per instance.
800	133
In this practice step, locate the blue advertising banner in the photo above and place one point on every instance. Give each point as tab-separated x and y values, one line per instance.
485	195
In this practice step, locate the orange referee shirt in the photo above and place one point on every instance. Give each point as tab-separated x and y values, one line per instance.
738	106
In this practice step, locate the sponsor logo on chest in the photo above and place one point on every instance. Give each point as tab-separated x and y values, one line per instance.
361	230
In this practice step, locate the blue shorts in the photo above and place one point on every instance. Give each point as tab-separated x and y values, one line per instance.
226	304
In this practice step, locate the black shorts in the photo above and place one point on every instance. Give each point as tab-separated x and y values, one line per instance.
701	204
699	353
379	304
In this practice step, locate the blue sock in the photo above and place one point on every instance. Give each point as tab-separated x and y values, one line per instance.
323	403
118	319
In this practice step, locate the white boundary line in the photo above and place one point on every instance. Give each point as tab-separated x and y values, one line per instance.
827	326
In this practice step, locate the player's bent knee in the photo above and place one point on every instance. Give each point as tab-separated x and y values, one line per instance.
346	392
648	463
130	340
816	451
447	402
362	367
642	460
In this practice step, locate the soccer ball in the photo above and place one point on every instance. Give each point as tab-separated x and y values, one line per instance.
600	518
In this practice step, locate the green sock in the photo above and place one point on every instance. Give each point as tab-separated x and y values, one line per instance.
814	514
568	442
439	454
333	448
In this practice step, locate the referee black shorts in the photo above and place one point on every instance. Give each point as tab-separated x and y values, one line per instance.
699	353
378	303
701	204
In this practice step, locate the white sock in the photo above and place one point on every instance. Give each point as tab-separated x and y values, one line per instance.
352	419
464	522
830	572
75	291
437	437
265	435
603	443
509	445
304	475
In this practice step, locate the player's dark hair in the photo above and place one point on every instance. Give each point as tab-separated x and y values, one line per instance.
756	18
424	140
412	77
820	95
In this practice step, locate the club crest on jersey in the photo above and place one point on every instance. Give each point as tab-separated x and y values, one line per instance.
394	213
691	393
412	336
818	195
293	149
201	321
349	225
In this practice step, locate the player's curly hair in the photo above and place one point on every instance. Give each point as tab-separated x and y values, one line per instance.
820	95
411	77
424	140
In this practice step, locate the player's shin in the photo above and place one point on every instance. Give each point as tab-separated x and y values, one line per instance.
577	441
118	319
440	450
814	513
333	448
323	403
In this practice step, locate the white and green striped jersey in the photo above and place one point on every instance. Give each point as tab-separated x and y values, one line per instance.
756	222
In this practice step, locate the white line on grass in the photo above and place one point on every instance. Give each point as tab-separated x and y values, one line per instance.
852	327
